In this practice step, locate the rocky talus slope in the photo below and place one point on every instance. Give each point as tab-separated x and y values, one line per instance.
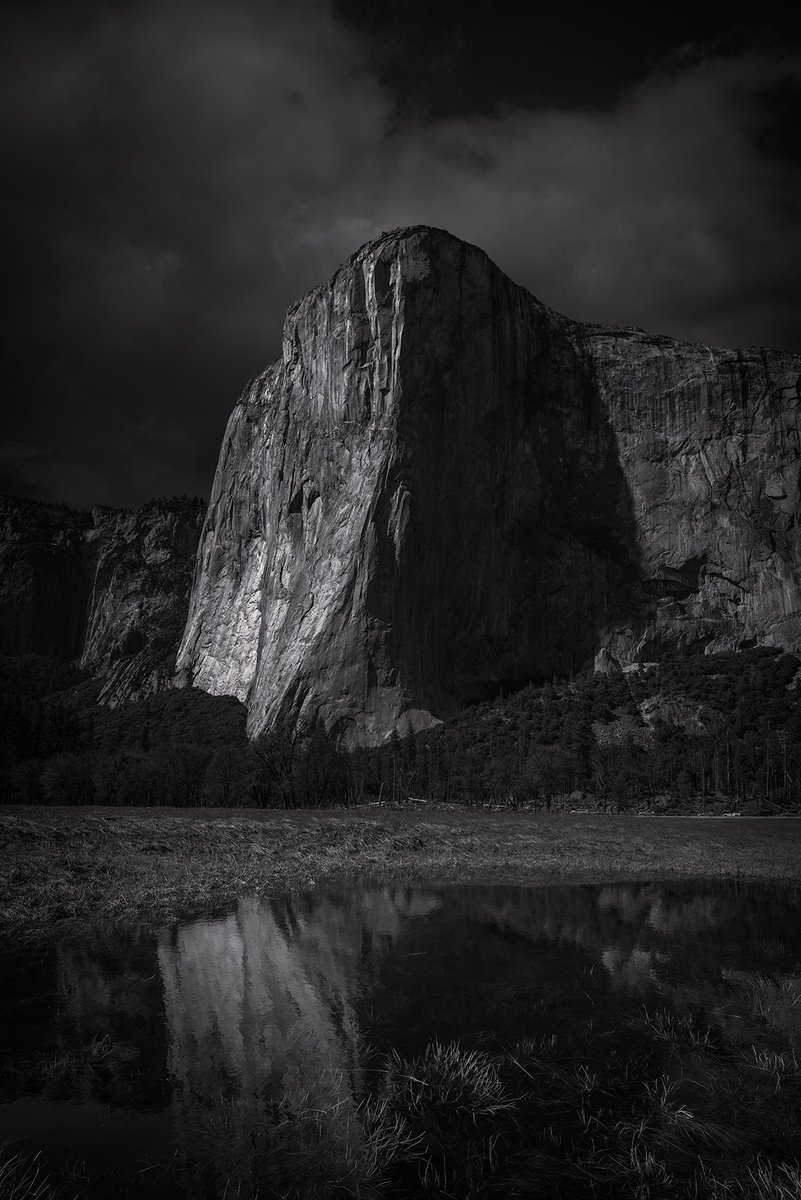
107	589
443	488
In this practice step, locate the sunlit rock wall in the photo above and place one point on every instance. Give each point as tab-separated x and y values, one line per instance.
443	488
419	503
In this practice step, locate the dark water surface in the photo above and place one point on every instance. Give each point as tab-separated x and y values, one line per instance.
126	1052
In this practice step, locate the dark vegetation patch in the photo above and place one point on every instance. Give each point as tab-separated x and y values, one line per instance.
706	733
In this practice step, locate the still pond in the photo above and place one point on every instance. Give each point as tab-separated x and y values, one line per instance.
627	1039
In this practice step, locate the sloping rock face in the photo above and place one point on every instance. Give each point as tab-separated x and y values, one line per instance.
443	488
108	590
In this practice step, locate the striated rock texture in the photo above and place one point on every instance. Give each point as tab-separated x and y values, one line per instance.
443	488
107	589
709	442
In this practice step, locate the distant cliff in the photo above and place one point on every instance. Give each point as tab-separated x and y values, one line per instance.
108	589
443	488
709	444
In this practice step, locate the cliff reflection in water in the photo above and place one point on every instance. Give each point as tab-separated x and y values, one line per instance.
292	1004
260	1006
280	999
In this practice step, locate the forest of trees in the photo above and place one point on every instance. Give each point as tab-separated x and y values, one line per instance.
705	730
715	732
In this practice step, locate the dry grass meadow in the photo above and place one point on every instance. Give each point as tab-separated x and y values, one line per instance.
63	866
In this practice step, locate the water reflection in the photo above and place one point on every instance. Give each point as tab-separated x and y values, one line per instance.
295	1001
262	1006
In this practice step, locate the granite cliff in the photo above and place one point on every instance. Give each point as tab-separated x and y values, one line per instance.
443	488
107	589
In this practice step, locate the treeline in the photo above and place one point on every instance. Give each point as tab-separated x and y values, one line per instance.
25	513
180	748
715	731
175	503
719	729
58	746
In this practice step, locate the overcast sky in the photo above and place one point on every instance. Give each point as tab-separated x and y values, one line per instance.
178	173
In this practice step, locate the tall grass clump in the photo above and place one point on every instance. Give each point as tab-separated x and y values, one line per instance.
299	1149
661	1105
22	1178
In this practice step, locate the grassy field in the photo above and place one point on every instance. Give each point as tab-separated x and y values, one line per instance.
63	866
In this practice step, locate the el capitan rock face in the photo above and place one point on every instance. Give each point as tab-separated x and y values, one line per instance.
107	589
443	487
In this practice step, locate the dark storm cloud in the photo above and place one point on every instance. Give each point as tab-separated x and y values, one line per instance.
162	158
660	212
180	174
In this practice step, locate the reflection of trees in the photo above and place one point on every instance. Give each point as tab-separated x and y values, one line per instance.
109	997
669	934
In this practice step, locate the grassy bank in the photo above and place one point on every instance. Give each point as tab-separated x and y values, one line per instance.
63	866
660	1106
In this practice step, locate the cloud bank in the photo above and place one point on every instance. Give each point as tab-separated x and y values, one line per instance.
181	174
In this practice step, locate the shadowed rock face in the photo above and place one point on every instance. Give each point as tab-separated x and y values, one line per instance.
107	589
443	487
709	444
44	585
142	571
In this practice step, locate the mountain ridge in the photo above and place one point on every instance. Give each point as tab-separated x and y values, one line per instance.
442	489
437	454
